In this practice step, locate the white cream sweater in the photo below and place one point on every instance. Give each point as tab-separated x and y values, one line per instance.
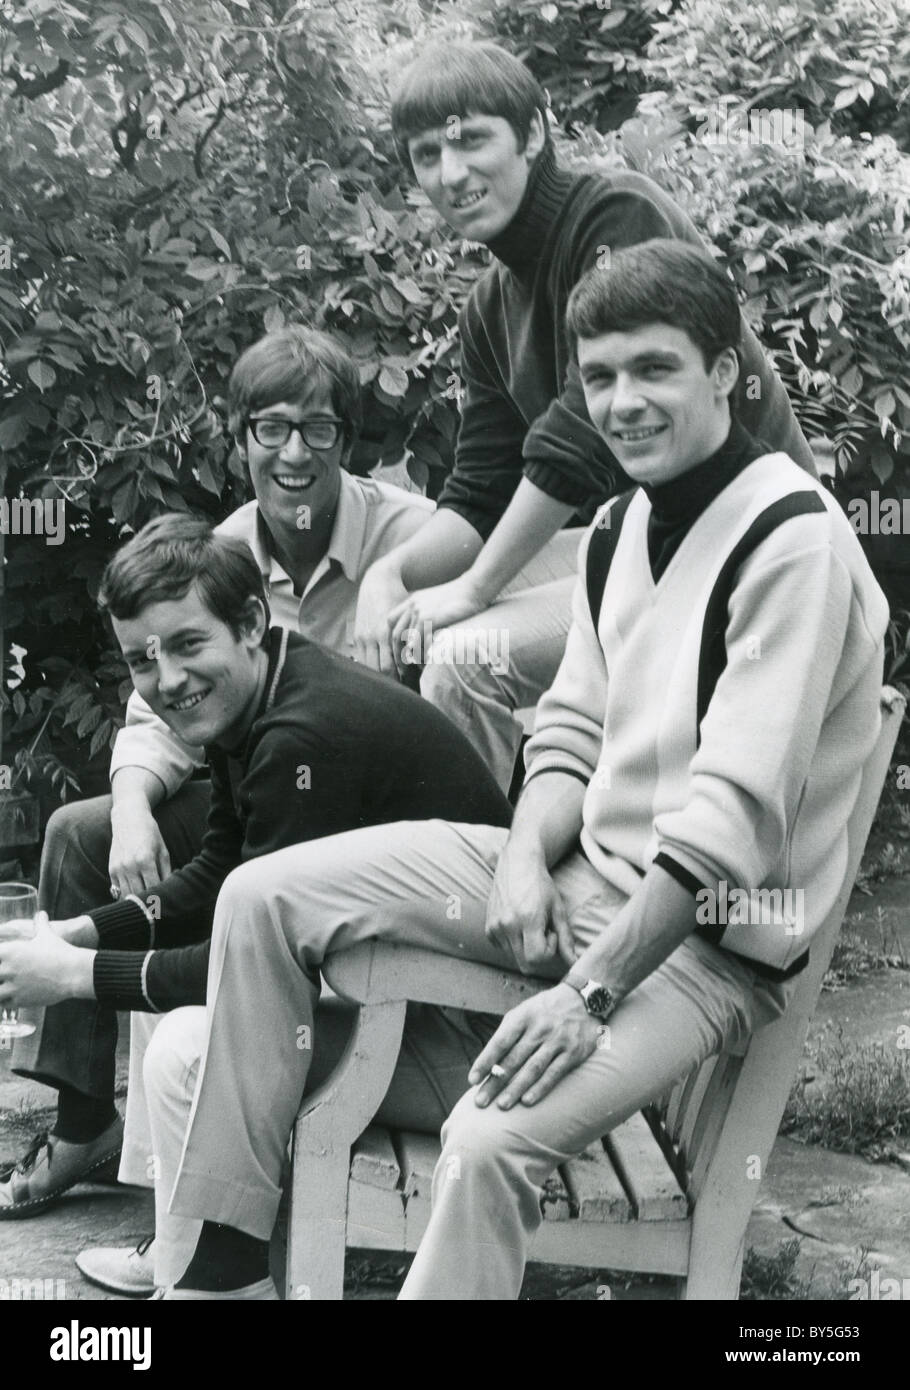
721	716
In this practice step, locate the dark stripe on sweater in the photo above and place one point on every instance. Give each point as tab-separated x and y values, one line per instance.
601	549
712	657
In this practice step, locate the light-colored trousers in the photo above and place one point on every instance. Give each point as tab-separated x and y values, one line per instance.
427	883
438	1047
524	636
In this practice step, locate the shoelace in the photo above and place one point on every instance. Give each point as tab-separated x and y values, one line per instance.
144	1244
27	1162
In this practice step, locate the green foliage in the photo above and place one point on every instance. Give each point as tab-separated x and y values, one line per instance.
847	62
178	179
855	1098
773	1276
587	55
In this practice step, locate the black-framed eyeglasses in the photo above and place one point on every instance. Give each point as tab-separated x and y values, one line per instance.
273	432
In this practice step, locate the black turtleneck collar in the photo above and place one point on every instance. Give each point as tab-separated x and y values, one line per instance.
677	505
520	244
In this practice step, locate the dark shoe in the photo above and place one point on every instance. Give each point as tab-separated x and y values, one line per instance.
121	1270
51	1167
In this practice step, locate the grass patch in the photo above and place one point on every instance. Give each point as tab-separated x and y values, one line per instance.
853	1098
885	862
26	1119
777	1277
773	1276
853	957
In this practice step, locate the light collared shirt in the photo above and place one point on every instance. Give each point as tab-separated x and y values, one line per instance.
370	520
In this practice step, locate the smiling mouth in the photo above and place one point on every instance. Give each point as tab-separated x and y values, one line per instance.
468	201
191	701
635	436
294	482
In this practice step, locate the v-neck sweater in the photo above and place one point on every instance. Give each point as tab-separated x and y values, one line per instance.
721	713
524	412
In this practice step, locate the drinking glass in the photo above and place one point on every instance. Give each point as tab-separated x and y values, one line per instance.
18	908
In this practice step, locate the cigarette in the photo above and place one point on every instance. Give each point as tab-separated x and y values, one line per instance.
496	1072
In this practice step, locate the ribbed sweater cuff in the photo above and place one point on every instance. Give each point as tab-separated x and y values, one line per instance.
124	926
119	980
558	483
683	877
484	522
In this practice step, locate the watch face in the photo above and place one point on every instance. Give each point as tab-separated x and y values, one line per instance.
598	999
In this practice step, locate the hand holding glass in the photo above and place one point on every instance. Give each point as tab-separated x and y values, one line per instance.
18	910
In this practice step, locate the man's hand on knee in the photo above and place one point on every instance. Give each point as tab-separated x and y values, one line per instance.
536	1044
526	916
139	856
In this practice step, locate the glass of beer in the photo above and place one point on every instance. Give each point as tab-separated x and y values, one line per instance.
18	909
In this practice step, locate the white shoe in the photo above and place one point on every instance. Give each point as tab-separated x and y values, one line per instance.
264	1291
121	1269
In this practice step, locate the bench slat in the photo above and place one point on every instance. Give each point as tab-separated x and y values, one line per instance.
691	1098
373	1160
418	1155
710	1121
376	1218
645	1173
695	1094
669	1106
594	1187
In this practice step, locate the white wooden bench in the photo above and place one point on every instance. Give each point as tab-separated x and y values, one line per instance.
668	1192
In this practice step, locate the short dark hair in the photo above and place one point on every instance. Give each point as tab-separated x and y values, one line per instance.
168	556
659	281
287	364
461	78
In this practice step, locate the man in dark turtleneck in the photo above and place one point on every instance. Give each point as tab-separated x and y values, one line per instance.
529	467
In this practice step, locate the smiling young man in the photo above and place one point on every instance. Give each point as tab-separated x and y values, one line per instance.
294	409
708	725
301	743
471	121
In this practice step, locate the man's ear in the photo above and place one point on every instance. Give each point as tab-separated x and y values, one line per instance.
537	135
253	623
725	371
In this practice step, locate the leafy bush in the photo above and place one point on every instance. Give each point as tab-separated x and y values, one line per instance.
847	62
588	56
177	180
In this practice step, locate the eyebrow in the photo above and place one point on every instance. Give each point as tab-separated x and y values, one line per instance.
665	356
130	653
476	122
266	414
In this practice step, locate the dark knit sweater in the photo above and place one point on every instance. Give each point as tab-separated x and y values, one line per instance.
524	410
332	747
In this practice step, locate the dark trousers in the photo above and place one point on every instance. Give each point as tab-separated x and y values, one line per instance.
75	1042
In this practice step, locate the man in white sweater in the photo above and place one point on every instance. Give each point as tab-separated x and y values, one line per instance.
704	737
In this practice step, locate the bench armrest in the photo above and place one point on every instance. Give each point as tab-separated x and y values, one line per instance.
376	972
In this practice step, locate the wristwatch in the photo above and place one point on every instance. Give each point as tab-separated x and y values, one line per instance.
597	999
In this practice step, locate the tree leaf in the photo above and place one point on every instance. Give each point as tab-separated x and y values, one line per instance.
222	245
13	431
202	269
42	374
393	380
852	381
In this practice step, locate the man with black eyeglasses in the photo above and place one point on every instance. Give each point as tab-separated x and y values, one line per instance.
314	529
